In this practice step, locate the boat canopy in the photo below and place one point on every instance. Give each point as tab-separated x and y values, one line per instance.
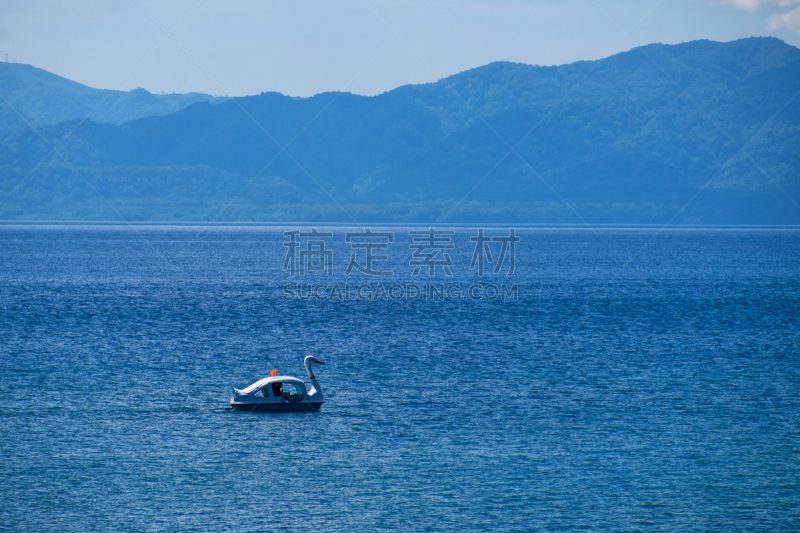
267	381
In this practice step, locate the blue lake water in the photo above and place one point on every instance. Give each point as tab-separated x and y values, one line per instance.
643	380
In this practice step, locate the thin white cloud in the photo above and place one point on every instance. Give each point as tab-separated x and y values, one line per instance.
786	12
789	19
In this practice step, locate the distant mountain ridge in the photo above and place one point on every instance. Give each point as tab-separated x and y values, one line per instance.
646	136
45	98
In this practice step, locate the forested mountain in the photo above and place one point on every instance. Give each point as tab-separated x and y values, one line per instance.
627	139
44	98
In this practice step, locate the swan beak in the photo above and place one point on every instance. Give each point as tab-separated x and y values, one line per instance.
318	361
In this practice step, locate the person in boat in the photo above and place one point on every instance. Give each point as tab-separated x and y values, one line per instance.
277	389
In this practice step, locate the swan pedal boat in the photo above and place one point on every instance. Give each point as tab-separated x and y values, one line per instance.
281	394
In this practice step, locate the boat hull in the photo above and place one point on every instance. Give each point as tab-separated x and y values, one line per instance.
275	407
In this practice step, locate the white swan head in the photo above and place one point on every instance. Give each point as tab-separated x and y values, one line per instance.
310	360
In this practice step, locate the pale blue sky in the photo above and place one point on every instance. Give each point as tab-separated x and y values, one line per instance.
303	47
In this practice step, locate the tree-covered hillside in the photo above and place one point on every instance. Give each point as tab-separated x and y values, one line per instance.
704	132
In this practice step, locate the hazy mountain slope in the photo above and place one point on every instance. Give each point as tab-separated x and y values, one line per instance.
45	98
630	138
